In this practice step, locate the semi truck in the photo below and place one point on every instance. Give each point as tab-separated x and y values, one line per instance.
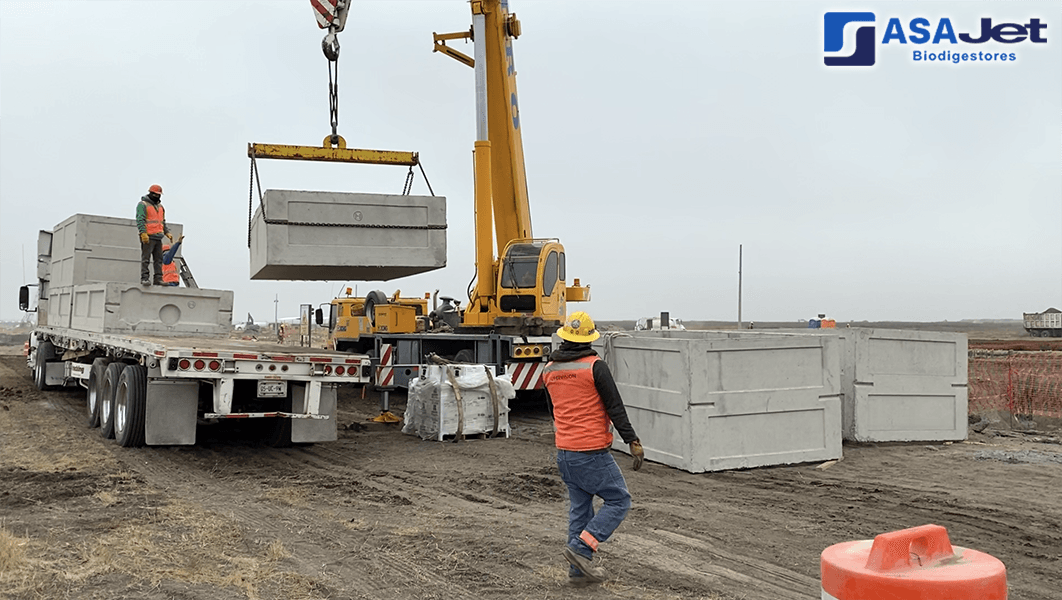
158	361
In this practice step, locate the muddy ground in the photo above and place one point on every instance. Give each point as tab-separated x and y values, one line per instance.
382	515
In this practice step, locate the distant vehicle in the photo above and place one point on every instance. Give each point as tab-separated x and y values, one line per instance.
656	324
1044	324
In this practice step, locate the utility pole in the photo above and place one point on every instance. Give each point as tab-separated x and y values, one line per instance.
739	285
276	314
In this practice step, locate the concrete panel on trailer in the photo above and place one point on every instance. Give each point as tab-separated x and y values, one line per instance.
170	418
44	254
707	401
314	430
97	249
60	306
151	310
346	236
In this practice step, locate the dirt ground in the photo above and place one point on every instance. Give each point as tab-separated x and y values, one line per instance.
383	515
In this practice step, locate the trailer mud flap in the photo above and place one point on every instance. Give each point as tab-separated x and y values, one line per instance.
171	413
313	430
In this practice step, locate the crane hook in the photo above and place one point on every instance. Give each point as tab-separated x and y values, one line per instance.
330	45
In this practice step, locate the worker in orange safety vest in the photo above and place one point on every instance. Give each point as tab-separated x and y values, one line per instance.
151	222
170	276
585	404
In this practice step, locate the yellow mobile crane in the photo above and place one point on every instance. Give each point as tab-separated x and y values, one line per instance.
519	295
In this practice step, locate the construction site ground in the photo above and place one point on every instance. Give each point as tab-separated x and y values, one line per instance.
382	515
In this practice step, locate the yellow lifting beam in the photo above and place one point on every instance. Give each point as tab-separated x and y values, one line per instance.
327	153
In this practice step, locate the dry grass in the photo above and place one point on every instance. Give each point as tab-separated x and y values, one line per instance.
180	543
292	496
12	551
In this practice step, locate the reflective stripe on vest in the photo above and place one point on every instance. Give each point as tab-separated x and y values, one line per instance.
578	411
154	215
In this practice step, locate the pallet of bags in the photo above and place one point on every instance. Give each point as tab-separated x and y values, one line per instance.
451	402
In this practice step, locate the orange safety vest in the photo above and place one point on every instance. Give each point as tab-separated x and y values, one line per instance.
578	411
169	271
155	216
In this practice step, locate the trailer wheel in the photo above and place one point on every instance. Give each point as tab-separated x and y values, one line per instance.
1045	333
110	386
45	352
130	403
95	388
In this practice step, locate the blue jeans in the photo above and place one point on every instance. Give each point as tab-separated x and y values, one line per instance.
589	475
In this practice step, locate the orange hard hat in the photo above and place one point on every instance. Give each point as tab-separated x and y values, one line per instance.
156	188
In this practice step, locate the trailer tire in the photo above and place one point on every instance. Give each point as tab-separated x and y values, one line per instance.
110	385
95	387
1045	333
45	352
130	404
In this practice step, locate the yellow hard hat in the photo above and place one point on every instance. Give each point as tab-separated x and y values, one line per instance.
579	328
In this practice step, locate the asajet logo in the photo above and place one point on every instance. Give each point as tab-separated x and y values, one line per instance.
989	42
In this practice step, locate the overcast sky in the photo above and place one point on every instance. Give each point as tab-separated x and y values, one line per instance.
658	137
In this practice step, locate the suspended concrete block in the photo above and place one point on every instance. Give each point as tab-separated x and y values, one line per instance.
340	236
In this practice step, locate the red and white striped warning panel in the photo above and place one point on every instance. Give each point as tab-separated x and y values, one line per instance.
385	373
325	11
526	375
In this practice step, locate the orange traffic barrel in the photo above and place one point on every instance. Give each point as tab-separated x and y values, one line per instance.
911	564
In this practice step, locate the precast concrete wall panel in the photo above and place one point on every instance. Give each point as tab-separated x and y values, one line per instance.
60	307
44	255
343	236
94	249
150	310
905	385
705	401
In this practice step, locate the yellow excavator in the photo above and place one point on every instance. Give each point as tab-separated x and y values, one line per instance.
519	295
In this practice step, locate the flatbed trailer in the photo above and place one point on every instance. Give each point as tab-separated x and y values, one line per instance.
155	390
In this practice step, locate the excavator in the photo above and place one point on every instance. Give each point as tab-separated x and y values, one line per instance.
519	294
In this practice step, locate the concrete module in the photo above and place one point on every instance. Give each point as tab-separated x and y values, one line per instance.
298	235
703	401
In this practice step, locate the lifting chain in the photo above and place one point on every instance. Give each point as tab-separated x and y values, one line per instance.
409	182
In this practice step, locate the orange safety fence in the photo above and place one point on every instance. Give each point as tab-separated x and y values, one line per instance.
1027	383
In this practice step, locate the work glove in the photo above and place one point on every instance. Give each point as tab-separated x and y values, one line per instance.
170	235
144	238
637	454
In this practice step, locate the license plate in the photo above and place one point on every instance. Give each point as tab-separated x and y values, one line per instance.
272	389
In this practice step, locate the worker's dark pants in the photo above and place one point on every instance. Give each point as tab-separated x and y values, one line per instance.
588	475
151	251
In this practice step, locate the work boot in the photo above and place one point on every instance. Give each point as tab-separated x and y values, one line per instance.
591	573
145	282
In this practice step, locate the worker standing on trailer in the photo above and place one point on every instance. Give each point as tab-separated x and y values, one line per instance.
151	221
585	404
